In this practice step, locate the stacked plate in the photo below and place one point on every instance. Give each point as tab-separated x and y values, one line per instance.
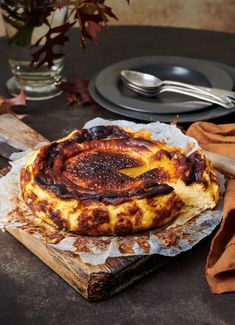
108	90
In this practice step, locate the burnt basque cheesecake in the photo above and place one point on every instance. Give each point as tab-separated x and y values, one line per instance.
110	181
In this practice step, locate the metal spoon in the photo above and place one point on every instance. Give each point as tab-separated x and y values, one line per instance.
149	85
179	90
151	82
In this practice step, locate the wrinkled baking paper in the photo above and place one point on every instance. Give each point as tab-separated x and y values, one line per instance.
181	235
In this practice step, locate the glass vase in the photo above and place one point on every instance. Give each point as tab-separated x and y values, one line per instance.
25	23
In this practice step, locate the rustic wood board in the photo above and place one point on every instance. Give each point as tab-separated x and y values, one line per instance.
93	282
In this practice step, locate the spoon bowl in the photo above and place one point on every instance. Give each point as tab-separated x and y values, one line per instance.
140	79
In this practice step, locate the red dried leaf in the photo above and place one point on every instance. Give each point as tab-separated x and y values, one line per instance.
6	104
17	100
93	18
46	53
71	99
77	90
93	29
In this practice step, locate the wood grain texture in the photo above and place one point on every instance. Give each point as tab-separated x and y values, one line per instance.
93	282
18	134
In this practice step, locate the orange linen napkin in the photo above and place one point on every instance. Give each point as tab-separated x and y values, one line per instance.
220	266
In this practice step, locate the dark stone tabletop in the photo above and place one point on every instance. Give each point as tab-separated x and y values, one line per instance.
31	293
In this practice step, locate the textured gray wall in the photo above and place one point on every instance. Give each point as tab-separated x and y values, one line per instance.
204	14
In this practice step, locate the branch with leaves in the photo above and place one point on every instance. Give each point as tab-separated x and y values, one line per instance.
92	16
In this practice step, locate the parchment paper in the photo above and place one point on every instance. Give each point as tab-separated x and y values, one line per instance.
181	235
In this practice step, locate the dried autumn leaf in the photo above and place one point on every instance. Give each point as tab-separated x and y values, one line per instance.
93	29
77	90
93	18
6	104
46	53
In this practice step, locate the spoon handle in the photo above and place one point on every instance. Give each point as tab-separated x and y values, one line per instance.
203	90
193	93
219	92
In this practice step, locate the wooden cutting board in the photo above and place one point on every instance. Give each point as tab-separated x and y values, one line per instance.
93	282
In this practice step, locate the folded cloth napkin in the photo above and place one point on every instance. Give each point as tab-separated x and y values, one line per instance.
220	266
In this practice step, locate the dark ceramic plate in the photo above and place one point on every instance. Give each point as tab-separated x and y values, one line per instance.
207	114
110	86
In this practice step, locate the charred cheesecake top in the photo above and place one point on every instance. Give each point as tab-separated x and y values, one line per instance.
114	172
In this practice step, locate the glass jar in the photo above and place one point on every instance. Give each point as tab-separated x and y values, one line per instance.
25	23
